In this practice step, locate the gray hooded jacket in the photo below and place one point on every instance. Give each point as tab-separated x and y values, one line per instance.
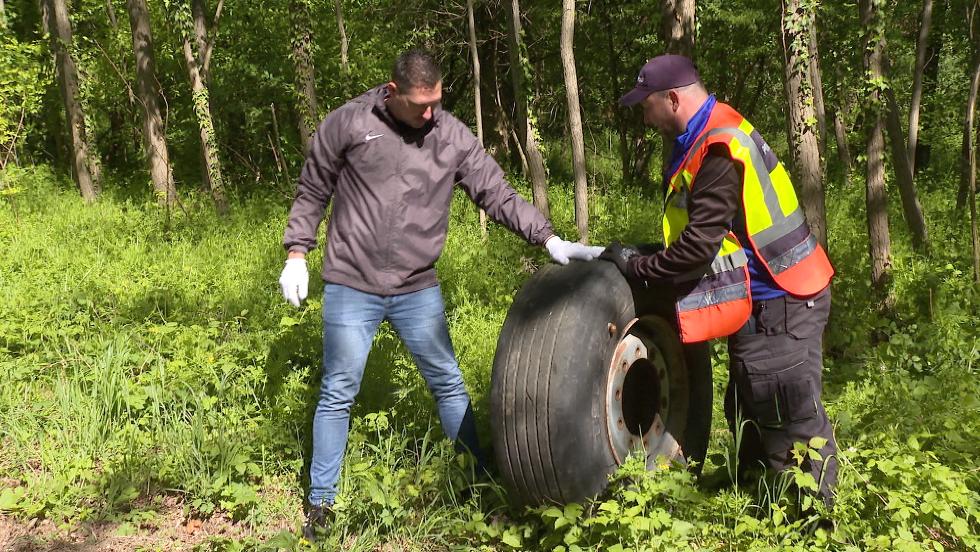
392	186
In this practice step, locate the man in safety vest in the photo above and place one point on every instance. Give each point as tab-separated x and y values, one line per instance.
742	262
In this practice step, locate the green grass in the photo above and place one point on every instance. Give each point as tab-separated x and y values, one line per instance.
146	355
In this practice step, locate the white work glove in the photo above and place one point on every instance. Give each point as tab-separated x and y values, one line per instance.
562	251
295	281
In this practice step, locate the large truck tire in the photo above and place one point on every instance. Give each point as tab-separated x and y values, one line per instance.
581	379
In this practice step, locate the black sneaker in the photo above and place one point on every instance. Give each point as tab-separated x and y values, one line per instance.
318	520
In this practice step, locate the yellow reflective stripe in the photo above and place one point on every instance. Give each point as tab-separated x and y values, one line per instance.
675	215
784	189
746	127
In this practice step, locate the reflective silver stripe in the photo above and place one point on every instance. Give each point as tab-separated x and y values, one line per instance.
713	297
759	163
779	229
794	255
719	264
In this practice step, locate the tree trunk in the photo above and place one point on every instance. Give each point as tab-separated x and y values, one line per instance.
876	200
804	145
3	16
344	65
477	101
921	45
204	37
305	79
525	129
209	143
59	27
968	172
840	136
677	20
930	79
615	90
903	174
677	32
575	119
968	175
148	89
816	79
970	166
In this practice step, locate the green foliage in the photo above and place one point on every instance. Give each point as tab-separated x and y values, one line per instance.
159	361
23	77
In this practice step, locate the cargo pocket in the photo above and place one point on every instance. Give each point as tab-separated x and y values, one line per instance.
774	390
806	318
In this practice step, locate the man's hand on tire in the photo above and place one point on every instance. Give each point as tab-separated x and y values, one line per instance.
620	255
295	281
562	251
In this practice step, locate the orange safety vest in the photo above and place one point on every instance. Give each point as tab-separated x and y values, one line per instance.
715	300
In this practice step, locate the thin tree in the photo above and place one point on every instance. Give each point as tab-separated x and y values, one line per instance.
59	26
969	179
202	108
803	132
677	26
575	119
477	102
971	103
968	183
302	46
677	32
149	93
911	208
525	128
816	79
921	49
840	134
876	199
205	35
341	28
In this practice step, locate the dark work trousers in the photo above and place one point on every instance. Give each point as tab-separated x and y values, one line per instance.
774	384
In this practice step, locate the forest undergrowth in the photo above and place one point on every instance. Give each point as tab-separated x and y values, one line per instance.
147	359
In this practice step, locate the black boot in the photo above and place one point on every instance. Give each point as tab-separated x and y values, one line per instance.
318	520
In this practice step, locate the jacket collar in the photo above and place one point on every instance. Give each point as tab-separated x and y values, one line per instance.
379	94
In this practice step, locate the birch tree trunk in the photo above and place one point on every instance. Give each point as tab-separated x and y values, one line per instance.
302	42
205	123
59	26
804	144
477	100
876	199
525	128
575	119
341	28
921	47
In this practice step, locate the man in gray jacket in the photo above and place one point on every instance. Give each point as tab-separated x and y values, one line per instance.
390	159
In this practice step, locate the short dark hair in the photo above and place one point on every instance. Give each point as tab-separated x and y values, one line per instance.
416	68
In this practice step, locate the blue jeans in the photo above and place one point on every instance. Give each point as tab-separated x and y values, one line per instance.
350	320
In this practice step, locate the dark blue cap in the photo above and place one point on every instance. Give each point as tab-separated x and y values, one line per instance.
661	73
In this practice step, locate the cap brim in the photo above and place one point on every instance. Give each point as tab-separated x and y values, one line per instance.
634	96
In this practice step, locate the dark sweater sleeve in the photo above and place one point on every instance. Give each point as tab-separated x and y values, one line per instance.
712	205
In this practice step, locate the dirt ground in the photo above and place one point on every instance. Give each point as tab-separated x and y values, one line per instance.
168	531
